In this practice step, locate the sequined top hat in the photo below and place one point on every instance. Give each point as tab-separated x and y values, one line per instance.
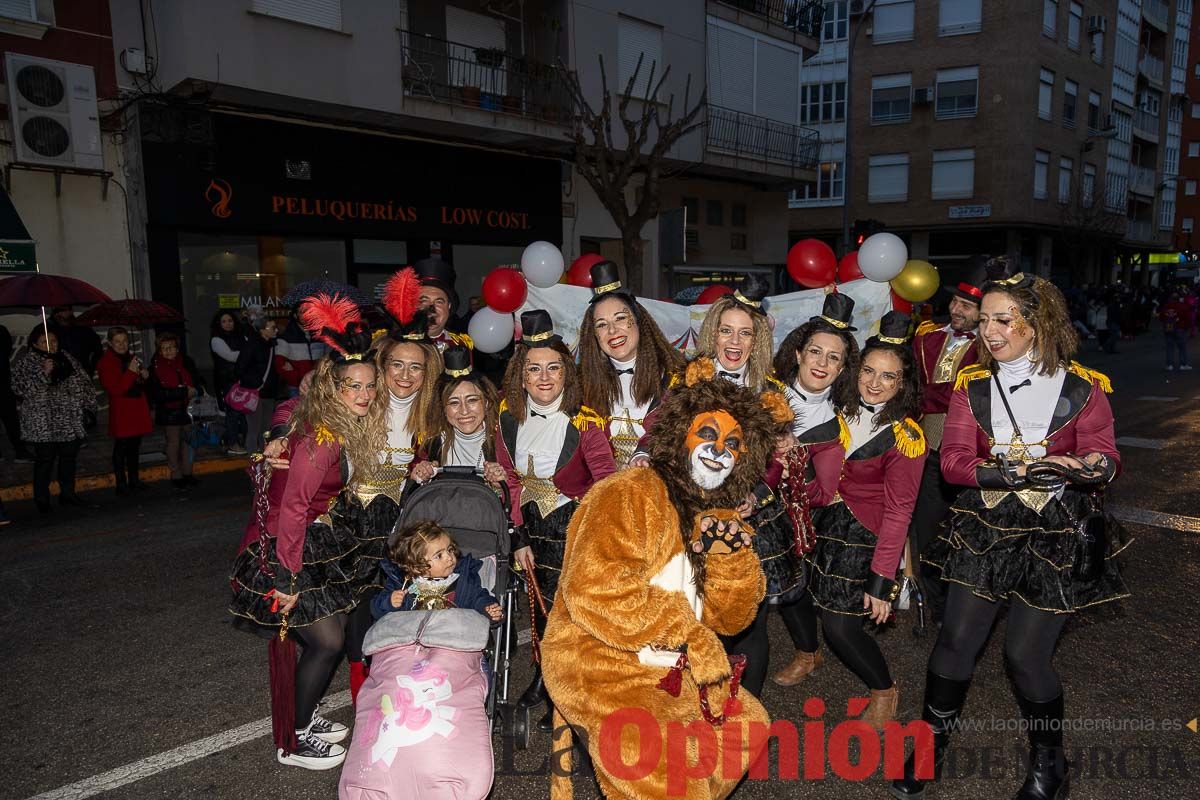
537	329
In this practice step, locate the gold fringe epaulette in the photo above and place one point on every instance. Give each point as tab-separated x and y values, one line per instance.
777	383
970	373
463	339
910	439
676	380
503	406
1091	375
325	436
587	417
843	433
926	327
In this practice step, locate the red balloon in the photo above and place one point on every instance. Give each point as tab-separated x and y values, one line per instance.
900	304
848	268
812	263
580	272
504	290
713	293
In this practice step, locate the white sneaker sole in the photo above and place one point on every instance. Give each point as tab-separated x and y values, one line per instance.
308	762
334	736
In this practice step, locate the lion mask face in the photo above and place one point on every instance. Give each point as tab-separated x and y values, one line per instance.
714	442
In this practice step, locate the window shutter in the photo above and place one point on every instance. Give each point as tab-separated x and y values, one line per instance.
778	76
731	69
474	30
322	13
638	39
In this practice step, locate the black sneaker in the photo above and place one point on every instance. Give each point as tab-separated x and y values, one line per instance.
312	753
328	730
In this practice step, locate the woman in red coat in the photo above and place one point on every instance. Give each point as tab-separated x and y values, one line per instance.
553	449
124	379
1010	539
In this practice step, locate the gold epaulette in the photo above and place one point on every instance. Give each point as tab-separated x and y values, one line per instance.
463	339
778	383
325	436
910	439
926	327
1091	375
675	380
843	433
970	373
421	438
503	406
585	417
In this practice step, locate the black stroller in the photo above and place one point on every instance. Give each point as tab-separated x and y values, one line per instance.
459	500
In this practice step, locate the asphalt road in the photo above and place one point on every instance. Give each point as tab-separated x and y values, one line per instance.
117	647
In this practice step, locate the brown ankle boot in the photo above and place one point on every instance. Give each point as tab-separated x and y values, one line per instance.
882	707
799	669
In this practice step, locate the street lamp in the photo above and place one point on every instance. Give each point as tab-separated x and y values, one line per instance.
848	169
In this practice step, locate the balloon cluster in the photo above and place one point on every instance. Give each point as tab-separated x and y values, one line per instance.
883	258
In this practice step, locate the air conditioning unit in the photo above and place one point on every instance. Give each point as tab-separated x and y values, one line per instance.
1097	24
53	111
856	8
923	96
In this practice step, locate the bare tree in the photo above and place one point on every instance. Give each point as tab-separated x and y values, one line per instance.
650	133
1088	227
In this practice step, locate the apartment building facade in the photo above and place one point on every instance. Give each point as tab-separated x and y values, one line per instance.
1187	240
1008	126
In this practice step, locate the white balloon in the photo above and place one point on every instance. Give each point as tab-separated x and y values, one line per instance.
491	331
542	264
882	257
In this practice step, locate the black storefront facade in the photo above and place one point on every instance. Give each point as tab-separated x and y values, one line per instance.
257	206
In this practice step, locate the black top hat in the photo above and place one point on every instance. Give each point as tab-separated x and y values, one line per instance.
436	272
836	313
537	329
457	360
605	280
751	293
416	330
895	328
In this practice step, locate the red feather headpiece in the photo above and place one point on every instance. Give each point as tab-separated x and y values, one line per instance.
336	321
401	295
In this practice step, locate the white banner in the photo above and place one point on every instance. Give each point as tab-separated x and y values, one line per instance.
681	324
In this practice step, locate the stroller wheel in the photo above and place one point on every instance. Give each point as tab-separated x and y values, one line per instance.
521	728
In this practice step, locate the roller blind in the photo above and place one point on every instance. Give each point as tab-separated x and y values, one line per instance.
322	13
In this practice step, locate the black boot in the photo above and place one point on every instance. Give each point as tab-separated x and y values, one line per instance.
944	699
534	694
1049	774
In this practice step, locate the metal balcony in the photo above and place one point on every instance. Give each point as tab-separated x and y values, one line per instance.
802	16
1151	67
1145	125
1142	180
489	79
748	136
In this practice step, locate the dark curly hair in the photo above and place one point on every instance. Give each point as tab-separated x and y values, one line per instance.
407	548
513	387
907	401
1042	304
655	358
845	386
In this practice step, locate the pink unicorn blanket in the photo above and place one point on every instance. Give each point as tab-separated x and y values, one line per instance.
421	730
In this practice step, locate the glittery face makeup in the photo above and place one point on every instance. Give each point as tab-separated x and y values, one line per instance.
1005	331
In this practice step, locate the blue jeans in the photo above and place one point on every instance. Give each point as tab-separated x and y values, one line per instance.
1176	348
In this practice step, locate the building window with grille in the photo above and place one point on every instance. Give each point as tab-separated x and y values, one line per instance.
836	21
828	186
1050	18
1074	26
957	17
953	174
893	21
1041	170
957	92
1066	170
638	40
887	178
1089	185
1046	94
1070	95
737	241
891	98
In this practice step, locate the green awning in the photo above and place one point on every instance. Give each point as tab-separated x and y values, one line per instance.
17	253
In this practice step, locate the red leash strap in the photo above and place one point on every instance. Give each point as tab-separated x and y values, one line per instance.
672	684
796	501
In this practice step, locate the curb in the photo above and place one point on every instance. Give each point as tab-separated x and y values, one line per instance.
158	472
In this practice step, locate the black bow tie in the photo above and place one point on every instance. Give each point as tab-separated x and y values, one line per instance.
1026	382
733	376
960	334
863	403
533	413
625	371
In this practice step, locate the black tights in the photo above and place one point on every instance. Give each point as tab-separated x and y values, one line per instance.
844	633
323	643
1028	644
753	643
125	455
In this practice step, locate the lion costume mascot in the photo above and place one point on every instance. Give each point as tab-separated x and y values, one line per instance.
657	564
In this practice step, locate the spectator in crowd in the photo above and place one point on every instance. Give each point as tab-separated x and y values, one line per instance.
124	380
296	353
174	381
255	369
1176	319
55	392
80	341
227	342
8	402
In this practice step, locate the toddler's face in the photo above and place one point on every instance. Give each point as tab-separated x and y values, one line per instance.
440	557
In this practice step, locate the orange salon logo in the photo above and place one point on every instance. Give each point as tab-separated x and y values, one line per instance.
219	193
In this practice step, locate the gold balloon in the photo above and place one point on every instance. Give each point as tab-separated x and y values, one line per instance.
917	282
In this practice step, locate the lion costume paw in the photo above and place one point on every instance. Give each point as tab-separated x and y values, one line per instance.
719	532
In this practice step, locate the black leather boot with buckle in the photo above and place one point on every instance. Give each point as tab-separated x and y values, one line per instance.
943	704
1049	773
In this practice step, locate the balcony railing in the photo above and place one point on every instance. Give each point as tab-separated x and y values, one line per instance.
1156	12
1142	180
491	79
763	139
1151	67
803	16
1140	231
1146	124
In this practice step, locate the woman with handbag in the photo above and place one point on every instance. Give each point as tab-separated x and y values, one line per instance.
226	344
173	382
254	392
1030	434
124	380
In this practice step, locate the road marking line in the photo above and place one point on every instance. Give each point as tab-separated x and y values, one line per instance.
193	751
1157	519
1137	441
1153	398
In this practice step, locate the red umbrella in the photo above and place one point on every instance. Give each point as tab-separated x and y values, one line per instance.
134	313
37	289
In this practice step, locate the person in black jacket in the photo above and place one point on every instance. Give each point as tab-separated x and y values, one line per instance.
80	341
228	341
173	382
255	369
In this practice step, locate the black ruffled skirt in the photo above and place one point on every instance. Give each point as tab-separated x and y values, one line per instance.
372	526
774	539
1013	550
840	563
548	540
328	584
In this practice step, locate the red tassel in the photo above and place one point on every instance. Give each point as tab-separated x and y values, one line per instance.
402	295
672	682
281	656
358	675
332	313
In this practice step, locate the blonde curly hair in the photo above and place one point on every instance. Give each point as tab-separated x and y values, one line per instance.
761	351
323	409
